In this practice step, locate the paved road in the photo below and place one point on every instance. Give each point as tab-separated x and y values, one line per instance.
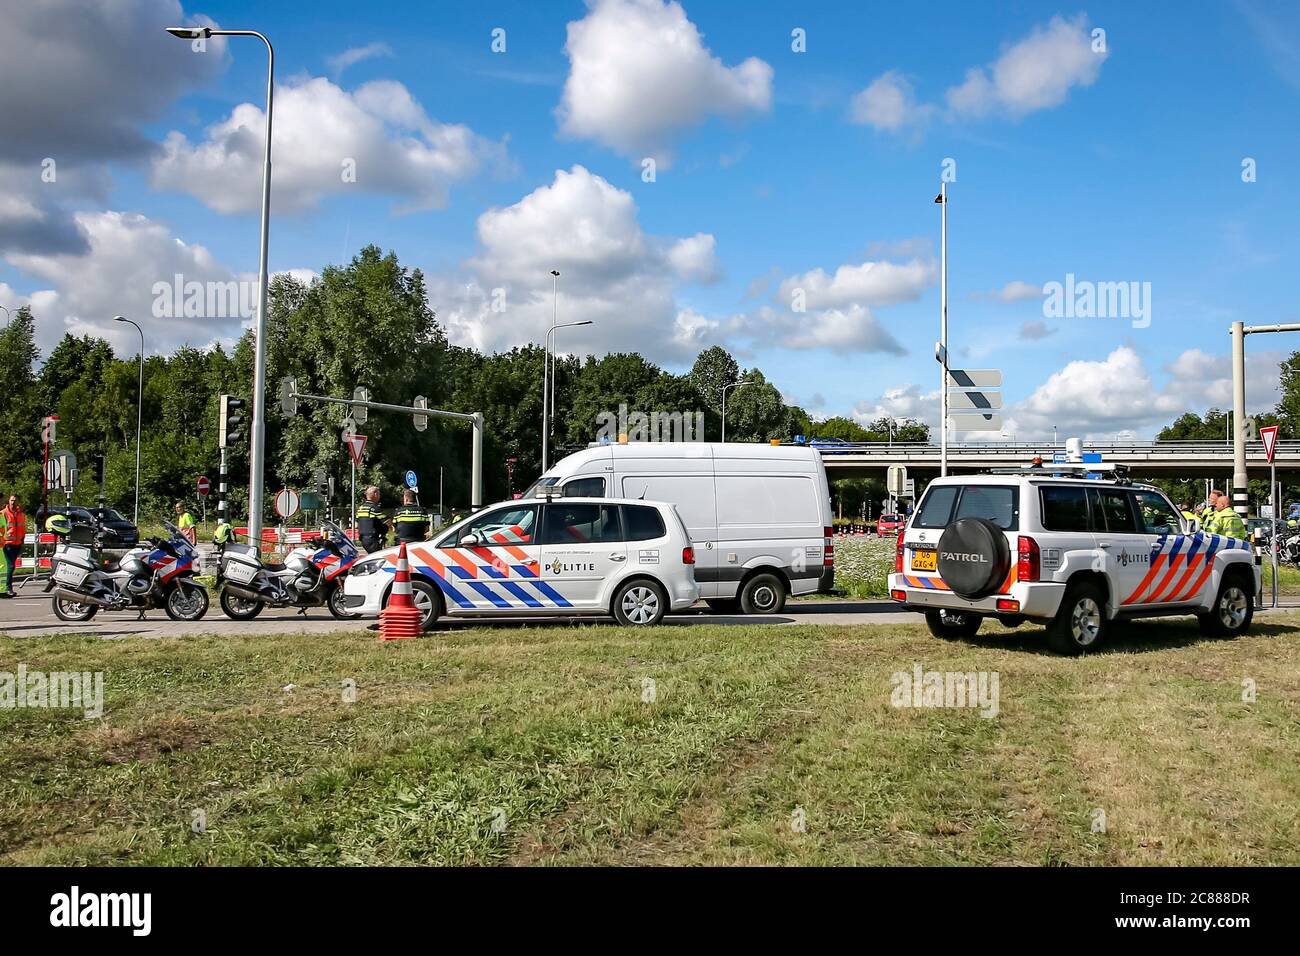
30	615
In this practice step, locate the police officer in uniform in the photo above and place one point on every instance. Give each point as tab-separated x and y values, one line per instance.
410	521
224	535
372	525
1227	522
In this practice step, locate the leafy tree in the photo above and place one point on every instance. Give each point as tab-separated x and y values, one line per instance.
20	413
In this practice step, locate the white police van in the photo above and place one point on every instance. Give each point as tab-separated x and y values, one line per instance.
758	514
1074	552
544	557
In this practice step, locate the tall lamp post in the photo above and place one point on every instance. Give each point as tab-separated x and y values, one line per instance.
139	415
555	365
724	405
546	364
257	433
546	418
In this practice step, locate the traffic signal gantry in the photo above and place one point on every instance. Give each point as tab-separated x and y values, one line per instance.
360	405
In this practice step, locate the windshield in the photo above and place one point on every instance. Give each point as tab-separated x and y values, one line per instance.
543	482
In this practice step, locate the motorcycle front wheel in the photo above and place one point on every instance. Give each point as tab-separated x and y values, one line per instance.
187	601
238	608
338	605
72	611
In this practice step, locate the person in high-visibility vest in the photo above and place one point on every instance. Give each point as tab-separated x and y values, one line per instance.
411	522
1185	509
1226	520
224	535
185	521
15	531
1210	509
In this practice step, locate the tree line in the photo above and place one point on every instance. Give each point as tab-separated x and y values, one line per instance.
365	323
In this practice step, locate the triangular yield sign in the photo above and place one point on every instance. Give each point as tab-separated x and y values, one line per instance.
356	446
1269	436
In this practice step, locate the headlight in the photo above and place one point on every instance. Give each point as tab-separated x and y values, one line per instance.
366	567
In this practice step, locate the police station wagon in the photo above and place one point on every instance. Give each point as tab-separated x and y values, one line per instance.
1076	553
546	557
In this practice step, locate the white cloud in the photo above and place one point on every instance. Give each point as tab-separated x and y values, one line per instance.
889	103
354	55
867	284
611	273
377	139
900	401
1014	291
127	256
1036	73
640	73
695	259
1118	394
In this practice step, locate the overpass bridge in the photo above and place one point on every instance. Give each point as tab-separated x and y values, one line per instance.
1150	459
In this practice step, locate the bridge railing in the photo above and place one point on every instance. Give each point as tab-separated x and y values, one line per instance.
1029	449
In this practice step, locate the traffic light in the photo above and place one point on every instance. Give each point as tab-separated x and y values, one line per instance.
99	470
230	424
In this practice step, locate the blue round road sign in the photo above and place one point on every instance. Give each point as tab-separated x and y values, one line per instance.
411	480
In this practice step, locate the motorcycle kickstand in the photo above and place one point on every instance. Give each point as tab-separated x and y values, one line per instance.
302	611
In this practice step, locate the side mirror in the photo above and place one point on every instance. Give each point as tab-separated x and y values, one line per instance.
469	541
1191	525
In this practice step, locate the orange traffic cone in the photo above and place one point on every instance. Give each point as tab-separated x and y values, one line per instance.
400	620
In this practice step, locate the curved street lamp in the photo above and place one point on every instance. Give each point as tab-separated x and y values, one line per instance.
724	404
257	431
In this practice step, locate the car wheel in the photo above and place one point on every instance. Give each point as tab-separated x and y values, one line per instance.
1080	624
426	599
239	608
763	594
1234	609
952	624
187	601
723	605
640	603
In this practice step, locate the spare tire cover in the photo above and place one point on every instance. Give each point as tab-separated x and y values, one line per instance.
974	557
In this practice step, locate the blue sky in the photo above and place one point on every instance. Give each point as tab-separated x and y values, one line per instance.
1119	167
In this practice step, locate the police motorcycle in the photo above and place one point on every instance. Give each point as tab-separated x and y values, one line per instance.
311	576
158	573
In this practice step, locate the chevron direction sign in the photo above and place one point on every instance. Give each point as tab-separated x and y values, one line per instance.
970	391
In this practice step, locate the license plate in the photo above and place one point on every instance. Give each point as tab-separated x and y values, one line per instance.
70	574
925	560
240	573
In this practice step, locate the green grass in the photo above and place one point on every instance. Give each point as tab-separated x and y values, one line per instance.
545	729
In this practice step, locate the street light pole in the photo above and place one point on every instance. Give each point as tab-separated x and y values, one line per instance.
139	415
546	365
724	405
942	200
555	359
257	433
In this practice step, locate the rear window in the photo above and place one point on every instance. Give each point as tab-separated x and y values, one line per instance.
1113	510
642	523
580	524
945	504
1064	508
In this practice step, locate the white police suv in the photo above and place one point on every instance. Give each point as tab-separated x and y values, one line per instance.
552	557
1076	553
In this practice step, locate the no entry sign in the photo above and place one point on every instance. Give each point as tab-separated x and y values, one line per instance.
204	486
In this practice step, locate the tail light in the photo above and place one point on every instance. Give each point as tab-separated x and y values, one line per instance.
1030	564
688	555
828	547
898	554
